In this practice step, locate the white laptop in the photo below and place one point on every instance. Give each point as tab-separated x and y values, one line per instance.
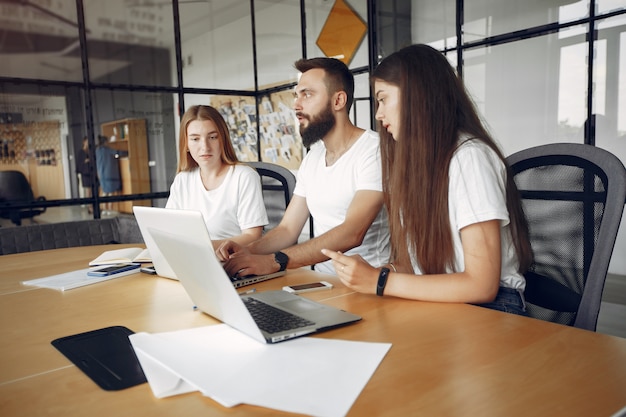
189	223
210	289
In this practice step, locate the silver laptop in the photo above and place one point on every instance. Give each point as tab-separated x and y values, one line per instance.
189	223
259	315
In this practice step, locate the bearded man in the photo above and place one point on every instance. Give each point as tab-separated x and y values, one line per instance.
339	184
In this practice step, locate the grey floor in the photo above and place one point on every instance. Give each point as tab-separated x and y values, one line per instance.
612	318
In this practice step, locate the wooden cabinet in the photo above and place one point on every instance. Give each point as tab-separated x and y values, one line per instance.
131	140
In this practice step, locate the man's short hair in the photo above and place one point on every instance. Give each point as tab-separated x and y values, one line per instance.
338	75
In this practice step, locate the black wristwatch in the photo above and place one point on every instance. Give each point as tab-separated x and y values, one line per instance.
281	259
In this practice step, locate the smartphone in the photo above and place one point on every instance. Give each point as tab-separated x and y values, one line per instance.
313	286
112	270
148	270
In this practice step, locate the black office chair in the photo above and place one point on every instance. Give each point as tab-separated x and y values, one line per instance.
573	197
15	191
278	184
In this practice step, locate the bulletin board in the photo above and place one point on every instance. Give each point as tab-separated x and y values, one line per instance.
280	138
279	142
240	116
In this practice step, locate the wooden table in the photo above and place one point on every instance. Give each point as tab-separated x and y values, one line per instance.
446	359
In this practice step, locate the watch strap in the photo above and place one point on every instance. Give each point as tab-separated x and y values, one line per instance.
382	281
281	259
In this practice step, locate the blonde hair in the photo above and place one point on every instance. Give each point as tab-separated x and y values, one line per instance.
202	112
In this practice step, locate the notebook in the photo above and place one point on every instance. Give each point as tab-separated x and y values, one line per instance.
188	223
209	288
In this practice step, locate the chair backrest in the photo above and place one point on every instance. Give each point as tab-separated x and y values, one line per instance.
573	197
15	190
278	184
14	187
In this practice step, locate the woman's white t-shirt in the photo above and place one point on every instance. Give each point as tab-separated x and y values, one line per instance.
477	193
237	204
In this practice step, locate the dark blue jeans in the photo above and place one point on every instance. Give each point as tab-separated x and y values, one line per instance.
508	300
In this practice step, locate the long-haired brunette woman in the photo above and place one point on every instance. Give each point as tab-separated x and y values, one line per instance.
458	233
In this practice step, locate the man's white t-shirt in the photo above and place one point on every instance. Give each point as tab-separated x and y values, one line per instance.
235	205
477	193
329	190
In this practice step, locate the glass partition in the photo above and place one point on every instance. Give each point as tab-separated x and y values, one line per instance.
610	81
216	44
40	40
433	22
610	107
530	91
130	43
531	88
360	113
40	134
485	18
278	41
606	6
136	139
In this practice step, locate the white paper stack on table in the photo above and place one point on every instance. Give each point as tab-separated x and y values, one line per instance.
313	376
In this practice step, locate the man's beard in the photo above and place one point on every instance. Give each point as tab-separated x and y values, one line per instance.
318	127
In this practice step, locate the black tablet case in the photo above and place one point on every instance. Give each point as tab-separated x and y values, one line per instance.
104	355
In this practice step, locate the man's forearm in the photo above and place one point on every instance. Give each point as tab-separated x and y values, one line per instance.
309	252
275	240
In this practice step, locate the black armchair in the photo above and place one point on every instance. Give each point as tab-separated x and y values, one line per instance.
278	184
573	197
15	195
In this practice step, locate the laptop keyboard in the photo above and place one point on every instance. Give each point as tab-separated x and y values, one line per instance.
273	320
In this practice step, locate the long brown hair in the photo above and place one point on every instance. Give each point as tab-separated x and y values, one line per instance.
435	110
201	112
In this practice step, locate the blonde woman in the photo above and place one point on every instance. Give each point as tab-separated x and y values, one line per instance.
210	179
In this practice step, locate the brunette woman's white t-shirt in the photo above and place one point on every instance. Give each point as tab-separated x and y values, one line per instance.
329	190
477	193
237	204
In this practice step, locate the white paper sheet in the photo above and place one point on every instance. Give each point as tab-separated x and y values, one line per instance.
320	377
74	279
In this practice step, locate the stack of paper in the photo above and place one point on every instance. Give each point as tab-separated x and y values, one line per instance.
321	377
